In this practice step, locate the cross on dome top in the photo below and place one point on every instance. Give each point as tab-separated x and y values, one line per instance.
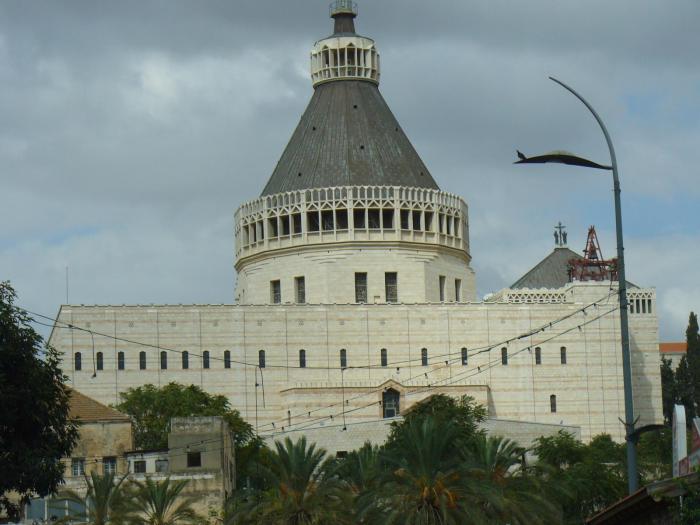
560	235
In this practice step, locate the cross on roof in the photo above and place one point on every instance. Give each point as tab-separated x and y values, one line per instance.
560	235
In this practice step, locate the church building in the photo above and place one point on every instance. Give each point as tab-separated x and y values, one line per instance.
356	298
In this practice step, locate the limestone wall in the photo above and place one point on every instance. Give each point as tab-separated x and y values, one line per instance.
588	388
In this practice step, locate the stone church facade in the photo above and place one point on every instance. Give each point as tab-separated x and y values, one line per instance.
355	296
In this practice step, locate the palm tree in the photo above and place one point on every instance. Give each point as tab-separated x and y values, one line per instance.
103	503
503	486
160	503
422	482
302	489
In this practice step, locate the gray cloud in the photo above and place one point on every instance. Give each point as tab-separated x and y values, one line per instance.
131	131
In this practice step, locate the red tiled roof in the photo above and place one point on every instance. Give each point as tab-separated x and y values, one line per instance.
84	408
673	348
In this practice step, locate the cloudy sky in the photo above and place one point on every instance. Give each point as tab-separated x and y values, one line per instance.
130	132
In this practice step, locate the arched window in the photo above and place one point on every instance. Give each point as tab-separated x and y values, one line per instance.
538	356
227	359
504	356
553	403
78	358
384	360
120	360
465	357
261	359
185	360
302	358
562	352
142	360
205	359
163	360
343	358
390	403
100	361
424	356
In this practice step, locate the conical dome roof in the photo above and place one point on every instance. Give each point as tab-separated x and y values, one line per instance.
347	136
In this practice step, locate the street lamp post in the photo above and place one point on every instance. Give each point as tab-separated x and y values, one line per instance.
566	158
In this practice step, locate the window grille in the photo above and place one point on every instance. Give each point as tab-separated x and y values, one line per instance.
391	287
109	465
140	466
275	292
360	287
390	403
120	360
78	466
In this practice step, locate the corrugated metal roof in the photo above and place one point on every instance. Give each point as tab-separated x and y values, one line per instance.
348	136
550	272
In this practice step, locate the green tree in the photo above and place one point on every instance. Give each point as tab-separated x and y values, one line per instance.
422	483
463	412
301	489
35	428
692	338
152	407
103	504
160	503
585	478
669	390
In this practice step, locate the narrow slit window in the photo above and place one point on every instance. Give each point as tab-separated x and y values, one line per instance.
424	357
261	359
78	361
284	223
296	222
458	290
383	357
441	284
227	359
343	358
275	292
185	360
553	403
272	227
142	360
100	361
538	356
562	353
300	289
428	221
302	358
120	360
163	360
391	287
465	357
205	359
649	306
504	356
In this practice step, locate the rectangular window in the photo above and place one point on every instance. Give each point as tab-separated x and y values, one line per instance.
284	223
504	356
428	221
405	219
458	290
275	292
465	357
194	459
360	287
373	219
161	465
649	306
140	466
109	465
296	222
358	216
416	220
388	219
341	219
120	360
391	287
272	226
78	466
312	221
538	356
562	352
448	224
327	220
442	288
383	357
441	223
644	306
300	289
